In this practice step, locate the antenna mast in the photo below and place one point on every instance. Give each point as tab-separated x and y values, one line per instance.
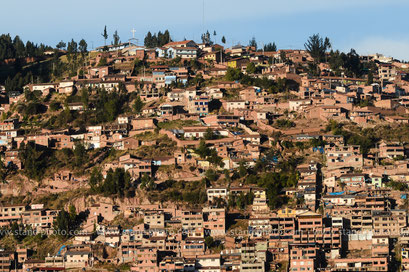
203	18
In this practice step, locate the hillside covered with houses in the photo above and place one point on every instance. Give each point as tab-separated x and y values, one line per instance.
196	156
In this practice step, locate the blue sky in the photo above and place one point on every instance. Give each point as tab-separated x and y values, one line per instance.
369	26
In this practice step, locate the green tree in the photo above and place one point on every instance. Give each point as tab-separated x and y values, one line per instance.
72	213
128	190
352	64
209	134
112	109
251	68
203	151
233	74
242	170
240	201
83	47
206	39
223	40
138	104
209	241
66	223
211	175
72	50
166	38
80	155
62	223
369	81
102	62
117	182
19	231
95	179
61	45
15	48
283	56
227	175
158	40
84	97
30	49
105	35
270	47
19	48
149	40
253	43
3	172
214	159
116	38
109	187
147	182
33	159
316	46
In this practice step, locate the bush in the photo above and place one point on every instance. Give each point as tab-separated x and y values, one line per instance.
284	123
233	74
211	175
54	106
399	186
34	108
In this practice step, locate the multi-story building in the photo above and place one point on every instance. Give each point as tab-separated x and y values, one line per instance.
311	229
361	264
213	193
154	219
391	150
380	246
353	180
389	222
344	156
38	218
214	221
259	226
11	213
260	201
146	260
192	220
182	52
78	259
304	257
387	72
7	259
251	258
199	105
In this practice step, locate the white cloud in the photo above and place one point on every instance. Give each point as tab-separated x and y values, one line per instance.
391	47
